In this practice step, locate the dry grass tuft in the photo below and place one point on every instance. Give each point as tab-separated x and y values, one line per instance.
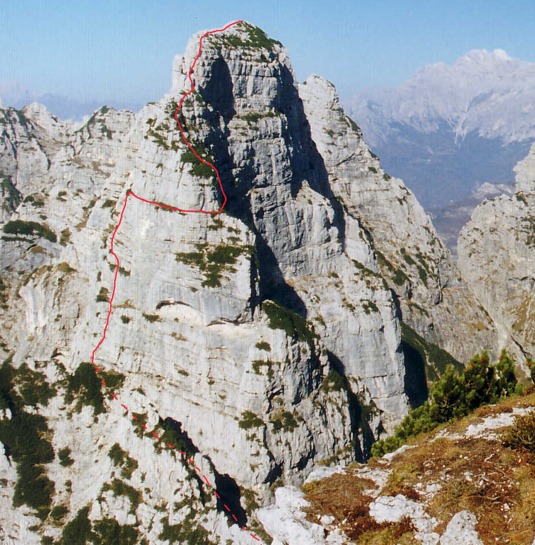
343	497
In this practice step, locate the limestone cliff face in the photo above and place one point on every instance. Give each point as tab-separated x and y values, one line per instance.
497	257
256	337
260	341
380	212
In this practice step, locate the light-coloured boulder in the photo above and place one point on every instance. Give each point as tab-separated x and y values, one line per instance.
461	529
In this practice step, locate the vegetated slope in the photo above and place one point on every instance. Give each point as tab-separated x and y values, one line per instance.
472	481
461	125
497	258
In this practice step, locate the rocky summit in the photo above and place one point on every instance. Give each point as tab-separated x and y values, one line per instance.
243	348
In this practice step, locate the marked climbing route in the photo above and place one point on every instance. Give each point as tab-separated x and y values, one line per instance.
131	195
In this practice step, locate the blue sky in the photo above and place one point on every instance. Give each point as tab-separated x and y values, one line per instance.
122	49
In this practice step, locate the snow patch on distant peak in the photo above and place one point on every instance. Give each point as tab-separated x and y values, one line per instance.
487	92
483	55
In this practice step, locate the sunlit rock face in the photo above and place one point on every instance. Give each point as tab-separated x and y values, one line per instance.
260	341
497	257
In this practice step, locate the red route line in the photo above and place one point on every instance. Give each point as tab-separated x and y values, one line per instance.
177	209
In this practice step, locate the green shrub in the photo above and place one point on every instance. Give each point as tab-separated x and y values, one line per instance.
255	38
121	459
26	438
103	295
293	324
213	261
125	319
78	530
369	307
64	456
109	531
86	385
151	318
455	395
333	381
11	195
65	237
171	432
33	487
186	532
120	488
263	345
140	418
3	295
258	364
29	228
33	386
58	512
284	420
198	168
400	277
250	420
254	117
113	379
531	364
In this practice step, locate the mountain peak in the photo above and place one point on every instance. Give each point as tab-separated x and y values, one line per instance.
485	56
476	113
243	41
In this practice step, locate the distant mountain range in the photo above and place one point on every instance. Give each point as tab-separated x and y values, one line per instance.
16	95
451	128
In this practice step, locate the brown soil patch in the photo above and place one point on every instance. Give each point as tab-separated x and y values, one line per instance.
342	496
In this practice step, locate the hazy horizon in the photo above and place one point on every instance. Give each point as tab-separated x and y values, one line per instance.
120	53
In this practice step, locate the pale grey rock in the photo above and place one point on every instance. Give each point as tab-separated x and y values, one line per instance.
192	346
461	529
394	509
191	332
285	521
383	213
488	428
15	524
497	258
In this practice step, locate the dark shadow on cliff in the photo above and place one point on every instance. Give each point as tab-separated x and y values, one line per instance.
238	181
219	94
358	413
226	486
307	162
415	383
415	380
230	496
218	90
